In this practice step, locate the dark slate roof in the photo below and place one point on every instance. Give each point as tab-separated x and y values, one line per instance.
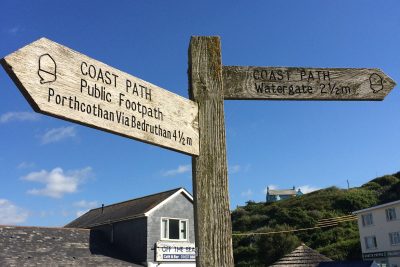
121	211
43	246
348	264
302	256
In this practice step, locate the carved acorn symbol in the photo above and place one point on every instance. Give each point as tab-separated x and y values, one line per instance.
376	82
47	69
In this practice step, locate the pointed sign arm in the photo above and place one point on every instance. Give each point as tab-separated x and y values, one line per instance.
297	83
66	84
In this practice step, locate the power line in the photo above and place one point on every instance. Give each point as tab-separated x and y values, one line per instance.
335	222
338	217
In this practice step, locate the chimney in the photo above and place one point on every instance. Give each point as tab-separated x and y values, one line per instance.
102	208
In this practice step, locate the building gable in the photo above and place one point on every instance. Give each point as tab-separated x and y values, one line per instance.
126	210
177	207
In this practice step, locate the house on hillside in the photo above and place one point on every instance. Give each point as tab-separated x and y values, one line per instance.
276	195
155	230
379	229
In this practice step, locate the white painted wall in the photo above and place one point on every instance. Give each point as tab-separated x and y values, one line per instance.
380	229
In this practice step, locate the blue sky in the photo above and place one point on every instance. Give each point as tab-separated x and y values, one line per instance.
52	170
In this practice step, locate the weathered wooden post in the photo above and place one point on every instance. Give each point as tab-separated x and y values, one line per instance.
210	177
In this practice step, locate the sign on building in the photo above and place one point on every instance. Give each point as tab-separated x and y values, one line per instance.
169	251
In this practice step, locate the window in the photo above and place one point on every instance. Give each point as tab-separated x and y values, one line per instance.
394	238
370	242
367	219
391	214
174	229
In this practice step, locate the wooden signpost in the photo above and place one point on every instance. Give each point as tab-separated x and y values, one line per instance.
66	84
63	83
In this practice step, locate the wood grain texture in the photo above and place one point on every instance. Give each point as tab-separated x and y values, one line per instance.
63	83
210	178
281	83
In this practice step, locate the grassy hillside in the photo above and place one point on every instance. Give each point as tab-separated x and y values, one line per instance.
339	243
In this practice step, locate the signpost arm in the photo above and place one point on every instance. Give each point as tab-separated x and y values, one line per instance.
213	225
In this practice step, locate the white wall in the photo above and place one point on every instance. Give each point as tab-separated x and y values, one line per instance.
380	229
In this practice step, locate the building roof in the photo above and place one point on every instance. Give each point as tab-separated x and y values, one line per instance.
282	192
377	207
45	246
126	210
302	256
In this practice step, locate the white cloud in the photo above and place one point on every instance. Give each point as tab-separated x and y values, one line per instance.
308	188
65	213
14	30
26	165
85	205
45	213
79	213
18	116
11	214
234	169
181	169
57	183
247	193
58	134
238	168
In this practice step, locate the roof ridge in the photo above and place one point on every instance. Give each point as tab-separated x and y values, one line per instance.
136	207
45	227
125	201
289	189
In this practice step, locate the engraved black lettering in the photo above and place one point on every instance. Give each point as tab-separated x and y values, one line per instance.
115	79
92	72
279	73
256	74
302	74
100	76
128	85
327	75
51	93
310	76
272	76
264	74
107	77
259	87
83	64
323	90
83	84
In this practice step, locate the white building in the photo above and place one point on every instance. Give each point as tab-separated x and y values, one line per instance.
379	229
